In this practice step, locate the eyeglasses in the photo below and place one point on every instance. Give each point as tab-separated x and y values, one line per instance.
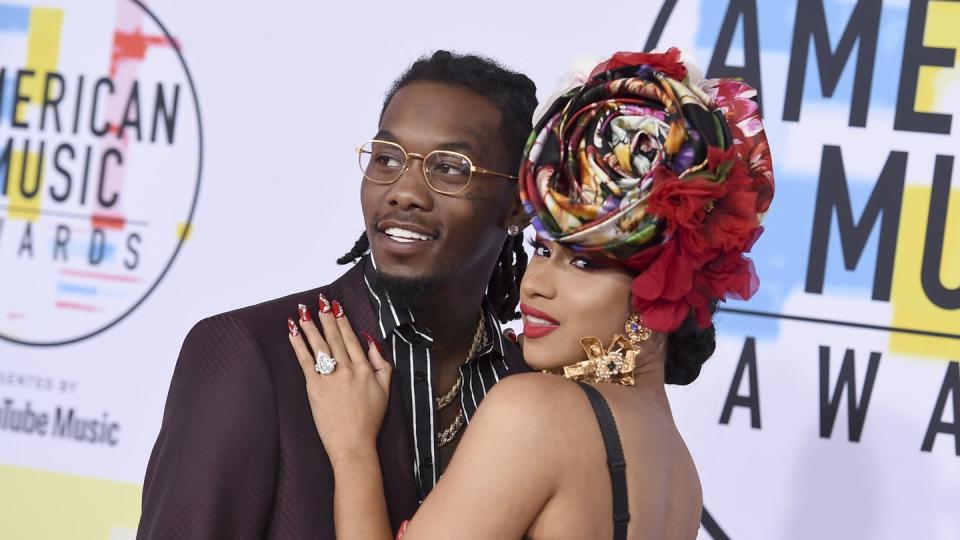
384	162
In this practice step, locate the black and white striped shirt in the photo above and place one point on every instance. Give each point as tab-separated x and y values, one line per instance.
410	346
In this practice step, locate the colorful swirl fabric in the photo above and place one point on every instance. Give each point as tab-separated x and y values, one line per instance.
667	175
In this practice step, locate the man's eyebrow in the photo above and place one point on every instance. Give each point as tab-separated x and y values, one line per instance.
459	146
463	146
385	135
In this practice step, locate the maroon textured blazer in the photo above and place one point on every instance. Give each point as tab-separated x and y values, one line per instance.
238	455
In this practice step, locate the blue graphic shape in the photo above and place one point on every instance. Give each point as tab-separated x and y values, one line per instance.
72	288
14	19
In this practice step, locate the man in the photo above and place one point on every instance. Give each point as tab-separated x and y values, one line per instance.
238	456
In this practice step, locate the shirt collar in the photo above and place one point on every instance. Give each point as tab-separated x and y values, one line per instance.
394	317
390	314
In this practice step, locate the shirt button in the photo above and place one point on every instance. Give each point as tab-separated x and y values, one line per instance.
419	375
427	462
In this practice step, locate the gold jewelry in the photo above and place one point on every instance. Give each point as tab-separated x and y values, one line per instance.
446	436
616	363
447	398
636	331
478	338
451	432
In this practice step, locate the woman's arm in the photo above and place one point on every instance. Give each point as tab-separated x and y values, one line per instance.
506	468
348	405
359	507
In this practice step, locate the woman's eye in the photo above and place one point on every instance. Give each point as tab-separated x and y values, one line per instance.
539	250
582	264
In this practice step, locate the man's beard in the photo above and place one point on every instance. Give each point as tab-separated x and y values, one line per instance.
405	291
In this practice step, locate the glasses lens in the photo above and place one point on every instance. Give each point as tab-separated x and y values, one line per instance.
447	172
382	161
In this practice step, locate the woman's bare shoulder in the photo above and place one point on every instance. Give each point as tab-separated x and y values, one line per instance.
546	407
537	393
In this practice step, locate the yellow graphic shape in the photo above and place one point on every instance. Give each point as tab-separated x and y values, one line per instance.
911	307
43	52
43	505
943	19
183	231
20	206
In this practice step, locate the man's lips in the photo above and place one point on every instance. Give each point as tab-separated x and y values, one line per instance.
405	232
536	323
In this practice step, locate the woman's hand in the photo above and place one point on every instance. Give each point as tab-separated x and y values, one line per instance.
348	404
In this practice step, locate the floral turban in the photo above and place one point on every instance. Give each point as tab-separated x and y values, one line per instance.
668	175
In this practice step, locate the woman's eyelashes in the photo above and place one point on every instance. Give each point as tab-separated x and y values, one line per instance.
541	250
581	263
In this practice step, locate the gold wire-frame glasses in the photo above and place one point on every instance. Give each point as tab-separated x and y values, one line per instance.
446	172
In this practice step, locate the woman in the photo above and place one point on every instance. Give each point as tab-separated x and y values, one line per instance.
645	186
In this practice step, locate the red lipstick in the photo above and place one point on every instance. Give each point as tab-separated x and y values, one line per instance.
534	330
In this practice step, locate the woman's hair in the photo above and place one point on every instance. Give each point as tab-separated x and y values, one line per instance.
688	347
515	96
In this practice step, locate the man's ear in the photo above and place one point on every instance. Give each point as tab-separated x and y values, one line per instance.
515	215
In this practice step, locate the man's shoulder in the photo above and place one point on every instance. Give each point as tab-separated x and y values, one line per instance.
271	314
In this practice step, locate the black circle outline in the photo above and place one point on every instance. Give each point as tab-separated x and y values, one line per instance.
193	206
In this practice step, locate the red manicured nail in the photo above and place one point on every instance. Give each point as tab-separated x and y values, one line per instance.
371	341
304	313
292	326
510	334
338	310
403	529
324	304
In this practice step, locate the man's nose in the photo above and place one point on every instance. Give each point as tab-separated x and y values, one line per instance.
410	191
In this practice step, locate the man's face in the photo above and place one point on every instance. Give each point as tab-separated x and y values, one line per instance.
454	236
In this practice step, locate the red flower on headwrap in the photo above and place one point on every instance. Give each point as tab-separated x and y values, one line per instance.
710	220
680	203
730	223
673	285
660	291
667	63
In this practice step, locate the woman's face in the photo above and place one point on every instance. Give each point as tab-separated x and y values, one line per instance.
565	296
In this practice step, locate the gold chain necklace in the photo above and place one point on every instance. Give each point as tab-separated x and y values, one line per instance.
478	338
447	398
450	433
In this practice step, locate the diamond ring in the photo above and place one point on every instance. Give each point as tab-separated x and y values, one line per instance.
325	364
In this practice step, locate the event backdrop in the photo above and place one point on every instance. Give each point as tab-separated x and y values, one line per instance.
166	160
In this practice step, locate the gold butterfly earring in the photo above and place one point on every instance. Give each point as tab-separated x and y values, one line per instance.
615	363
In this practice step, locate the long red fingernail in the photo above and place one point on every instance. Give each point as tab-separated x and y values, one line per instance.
510	334
371	341
324	304
304	313
292	326
338	310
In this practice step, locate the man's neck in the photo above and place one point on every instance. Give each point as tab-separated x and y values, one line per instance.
451	315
